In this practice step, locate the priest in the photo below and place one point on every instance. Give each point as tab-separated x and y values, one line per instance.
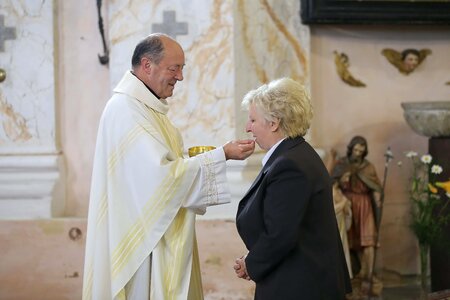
141	240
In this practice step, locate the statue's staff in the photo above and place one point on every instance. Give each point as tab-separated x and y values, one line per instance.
388	157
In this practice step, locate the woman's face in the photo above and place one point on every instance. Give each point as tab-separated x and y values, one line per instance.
261	129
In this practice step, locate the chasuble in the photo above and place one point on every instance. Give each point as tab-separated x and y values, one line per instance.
143	202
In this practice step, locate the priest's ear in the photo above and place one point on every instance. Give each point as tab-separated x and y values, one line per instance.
146	63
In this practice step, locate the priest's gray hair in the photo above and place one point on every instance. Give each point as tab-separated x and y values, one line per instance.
151	47
286	100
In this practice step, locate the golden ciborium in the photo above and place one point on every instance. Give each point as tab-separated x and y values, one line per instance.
193	151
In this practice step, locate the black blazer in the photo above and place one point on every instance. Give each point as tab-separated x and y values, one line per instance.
287	223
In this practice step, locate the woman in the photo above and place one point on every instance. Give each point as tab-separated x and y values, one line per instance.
287	219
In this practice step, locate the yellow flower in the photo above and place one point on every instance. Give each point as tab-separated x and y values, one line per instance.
445	185
432	188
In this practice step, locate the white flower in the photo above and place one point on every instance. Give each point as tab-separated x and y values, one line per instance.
426	159
448	194
411	154
436	169
399	163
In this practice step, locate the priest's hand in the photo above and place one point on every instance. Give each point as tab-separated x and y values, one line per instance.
240	269
239	149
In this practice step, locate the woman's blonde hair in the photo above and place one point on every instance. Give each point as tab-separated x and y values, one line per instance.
286	100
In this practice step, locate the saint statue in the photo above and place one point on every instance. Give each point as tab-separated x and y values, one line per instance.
363	189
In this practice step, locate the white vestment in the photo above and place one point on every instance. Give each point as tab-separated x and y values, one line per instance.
143	201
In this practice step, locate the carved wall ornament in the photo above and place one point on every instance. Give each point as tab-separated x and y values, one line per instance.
407	60
342	64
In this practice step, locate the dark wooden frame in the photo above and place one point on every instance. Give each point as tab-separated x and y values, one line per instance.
423	12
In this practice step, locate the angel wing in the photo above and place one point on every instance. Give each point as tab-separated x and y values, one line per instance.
341	61
423	54
394	57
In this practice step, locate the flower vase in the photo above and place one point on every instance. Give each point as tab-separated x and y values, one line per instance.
424	252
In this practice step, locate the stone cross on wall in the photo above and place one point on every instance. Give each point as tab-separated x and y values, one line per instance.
6	33
170	26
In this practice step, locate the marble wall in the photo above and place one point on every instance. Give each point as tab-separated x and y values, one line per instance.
223	58
27	96
202	105
270	42
31	169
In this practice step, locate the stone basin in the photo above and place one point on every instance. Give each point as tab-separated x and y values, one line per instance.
431	119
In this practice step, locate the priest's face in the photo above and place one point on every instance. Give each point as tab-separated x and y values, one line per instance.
162	77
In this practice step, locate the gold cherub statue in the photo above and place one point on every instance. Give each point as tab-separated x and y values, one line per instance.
342	64
407	60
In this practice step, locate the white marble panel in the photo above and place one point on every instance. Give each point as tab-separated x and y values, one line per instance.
31	177
203	103
231	47
27	96
270	42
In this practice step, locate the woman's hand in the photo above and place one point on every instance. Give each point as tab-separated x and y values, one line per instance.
240	268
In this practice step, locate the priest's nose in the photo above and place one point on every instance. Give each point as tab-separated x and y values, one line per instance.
179	75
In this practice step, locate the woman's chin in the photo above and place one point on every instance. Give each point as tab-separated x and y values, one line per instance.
262	146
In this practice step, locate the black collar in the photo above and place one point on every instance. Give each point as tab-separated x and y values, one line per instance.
147	86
